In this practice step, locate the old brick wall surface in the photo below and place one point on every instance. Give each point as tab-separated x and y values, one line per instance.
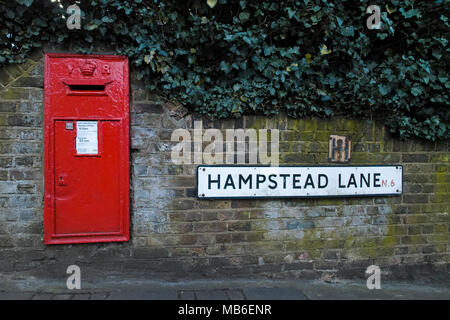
175	235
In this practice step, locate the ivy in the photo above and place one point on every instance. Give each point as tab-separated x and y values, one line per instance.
226	58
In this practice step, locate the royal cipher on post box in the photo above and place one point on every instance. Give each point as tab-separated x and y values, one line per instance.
86	149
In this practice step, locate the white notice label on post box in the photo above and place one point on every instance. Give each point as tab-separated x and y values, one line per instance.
87	137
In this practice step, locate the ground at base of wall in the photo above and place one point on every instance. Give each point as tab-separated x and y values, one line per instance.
113	288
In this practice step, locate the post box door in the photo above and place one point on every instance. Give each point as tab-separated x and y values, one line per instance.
87	186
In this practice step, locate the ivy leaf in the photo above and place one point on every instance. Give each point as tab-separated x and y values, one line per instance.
211	3
149	57
236	108
442	78
384	90
107	19
225	67
244	16
324	50
27	3
416	91
91	26
308	58
10	13
39	22
389	10
410	13
291	12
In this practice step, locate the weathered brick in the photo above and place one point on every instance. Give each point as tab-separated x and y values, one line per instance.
38	68
5	77
36	94
37	82
8	187
255	236
24	174
15	94
6	242
427	229
239	226
400	209
441	227
415	229
413	239
8	106
223	238
188	251
191	193
24	161
416	178
401	250
179	204
413	188
150	253
14	70
237	237
24	120
148	108
428	249
330	255
30	106
374	147
26	188
415	157
193	216
145	120
415	198
3	175
138	94
209	227
299	265
188	239
5	162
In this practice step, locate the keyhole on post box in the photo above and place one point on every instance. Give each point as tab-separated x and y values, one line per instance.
62	180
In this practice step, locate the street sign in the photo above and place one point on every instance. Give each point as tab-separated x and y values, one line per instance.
227	182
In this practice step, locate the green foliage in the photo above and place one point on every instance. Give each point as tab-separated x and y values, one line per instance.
226	58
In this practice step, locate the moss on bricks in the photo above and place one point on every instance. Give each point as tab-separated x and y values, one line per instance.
15	94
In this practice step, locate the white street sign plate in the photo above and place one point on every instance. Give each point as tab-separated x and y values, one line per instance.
227	182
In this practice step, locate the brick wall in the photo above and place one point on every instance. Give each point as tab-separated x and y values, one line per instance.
175	235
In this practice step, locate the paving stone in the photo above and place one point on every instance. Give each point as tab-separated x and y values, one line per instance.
157	294
42	296
15	296
219	295
203	294
274	294
62	297
186	295
99	296
235	295
81	296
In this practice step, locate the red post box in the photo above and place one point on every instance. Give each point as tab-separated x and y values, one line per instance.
86	149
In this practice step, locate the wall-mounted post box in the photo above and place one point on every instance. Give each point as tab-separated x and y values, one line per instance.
86	149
